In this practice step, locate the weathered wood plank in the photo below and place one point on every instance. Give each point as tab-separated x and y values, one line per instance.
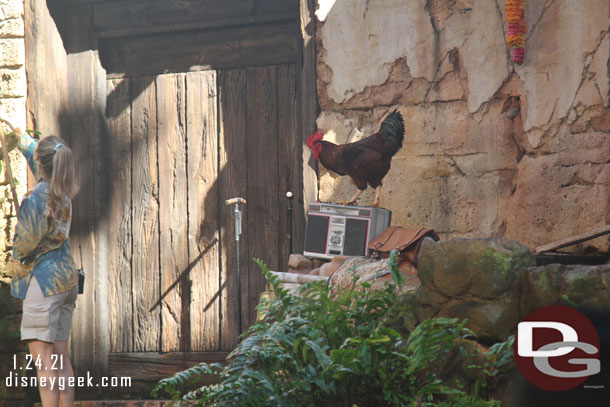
172	210
604	230
233	181
145	216
47	86
200	50
150	13
263	177
155	366
203	240
289	160
308	107
119	228
83	116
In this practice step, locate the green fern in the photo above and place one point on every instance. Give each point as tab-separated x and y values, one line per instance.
330	348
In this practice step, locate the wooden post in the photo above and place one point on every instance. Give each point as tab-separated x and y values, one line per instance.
308	106
604	230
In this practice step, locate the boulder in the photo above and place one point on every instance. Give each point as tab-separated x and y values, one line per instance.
327	269
476	279
586	287
299	262
317	263
478	267
492	320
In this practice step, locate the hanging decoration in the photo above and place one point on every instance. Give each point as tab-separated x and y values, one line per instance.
515	17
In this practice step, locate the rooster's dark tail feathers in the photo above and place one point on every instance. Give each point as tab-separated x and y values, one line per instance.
393	126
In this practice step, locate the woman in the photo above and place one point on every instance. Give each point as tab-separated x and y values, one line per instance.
47	277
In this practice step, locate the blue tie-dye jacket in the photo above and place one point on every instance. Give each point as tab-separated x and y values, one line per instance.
41	236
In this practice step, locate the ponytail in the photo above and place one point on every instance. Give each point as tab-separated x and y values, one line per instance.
63	179
58	164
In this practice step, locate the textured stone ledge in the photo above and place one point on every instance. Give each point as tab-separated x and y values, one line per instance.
12	52
13	83
11	9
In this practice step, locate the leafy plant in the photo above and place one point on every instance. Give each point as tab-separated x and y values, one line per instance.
327	348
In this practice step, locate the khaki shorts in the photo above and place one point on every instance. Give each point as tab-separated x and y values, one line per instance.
47	319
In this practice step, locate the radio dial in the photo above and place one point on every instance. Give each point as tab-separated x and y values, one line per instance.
335	240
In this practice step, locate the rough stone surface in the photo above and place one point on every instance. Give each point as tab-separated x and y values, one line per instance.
10	9
494	284
299	262
586	287
356	37
13	83
477	267
576	184
12	28
327	269
491	148
492	320
12	52
12	106
559	55
475	279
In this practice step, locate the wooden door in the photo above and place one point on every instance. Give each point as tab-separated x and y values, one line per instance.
181	144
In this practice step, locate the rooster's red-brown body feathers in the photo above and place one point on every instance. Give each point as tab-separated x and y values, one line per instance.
366	161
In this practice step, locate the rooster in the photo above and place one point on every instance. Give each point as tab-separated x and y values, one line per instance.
366	161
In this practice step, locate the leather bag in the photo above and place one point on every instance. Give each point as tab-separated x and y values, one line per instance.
405	241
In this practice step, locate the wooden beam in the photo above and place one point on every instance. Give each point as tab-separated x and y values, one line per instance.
200	50
197	25
136	14
151	366
296	278
604	230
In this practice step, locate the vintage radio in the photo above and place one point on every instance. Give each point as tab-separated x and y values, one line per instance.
334	229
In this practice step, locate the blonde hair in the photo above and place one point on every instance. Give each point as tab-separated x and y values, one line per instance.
57	163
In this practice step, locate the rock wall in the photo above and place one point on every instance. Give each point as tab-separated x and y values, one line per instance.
13	87
491	148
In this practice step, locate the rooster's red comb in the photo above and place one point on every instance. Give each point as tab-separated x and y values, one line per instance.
318	135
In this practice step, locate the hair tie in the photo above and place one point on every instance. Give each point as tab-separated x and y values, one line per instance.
58	146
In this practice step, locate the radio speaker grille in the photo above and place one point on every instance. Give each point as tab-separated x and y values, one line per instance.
315	240
355	237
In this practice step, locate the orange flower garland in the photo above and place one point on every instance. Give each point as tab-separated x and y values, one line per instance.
515	17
